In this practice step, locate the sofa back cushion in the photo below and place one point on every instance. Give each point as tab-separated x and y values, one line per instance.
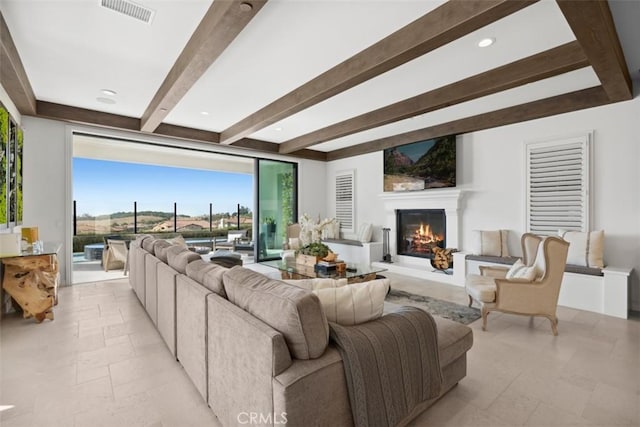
147	244
160	245
179	258
294	312
208	275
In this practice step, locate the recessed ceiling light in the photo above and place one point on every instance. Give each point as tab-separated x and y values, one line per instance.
204	113
108	92
486	42
105	100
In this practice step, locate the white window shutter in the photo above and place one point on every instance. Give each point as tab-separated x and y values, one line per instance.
558	185
345	200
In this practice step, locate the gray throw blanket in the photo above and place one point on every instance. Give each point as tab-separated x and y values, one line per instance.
391	365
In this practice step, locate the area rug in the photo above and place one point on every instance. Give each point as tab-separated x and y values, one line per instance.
436	307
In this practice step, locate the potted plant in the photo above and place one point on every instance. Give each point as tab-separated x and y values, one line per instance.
270	224
310	254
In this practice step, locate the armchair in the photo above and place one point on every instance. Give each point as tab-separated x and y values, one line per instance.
545	259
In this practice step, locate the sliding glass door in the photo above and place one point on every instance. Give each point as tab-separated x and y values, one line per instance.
276	205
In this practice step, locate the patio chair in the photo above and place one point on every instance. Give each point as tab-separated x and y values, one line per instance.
116	256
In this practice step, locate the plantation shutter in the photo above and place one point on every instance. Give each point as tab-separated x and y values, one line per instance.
558	185
345	200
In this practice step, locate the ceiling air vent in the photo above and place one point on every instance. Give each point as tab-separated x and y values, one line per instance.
130	9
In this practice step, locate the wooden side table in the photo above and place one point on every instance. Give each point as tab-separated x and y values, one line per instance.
32	279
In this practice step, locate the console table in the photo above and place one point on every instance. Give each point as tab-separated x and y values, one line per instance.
31	279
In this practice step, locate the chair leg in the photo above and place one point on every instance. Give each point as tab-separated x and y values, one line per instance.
485	313
554	325
470	300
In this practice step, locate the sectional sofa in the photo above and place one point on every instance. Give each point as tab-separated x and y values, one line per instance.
266	360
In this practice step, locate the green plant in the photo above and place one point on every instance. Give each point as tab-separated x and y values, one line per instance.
314	249
269	220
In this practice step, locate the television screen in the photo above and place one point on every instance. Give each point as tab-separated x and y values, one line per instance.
420	165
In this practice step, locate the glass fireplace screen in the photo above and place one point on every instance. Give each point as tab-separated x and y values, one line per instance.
419	231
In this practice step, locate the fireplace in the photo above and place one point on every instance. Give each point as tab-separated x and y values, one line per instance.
419	231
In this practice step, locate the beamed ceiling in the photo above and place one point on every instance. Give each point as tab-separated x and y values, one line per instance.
316	79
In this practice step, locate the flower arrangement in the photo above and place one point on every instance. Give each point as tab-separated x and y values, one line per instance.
311	231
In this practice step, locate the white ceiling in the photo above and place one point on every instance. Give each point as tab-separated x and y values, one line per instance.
72	49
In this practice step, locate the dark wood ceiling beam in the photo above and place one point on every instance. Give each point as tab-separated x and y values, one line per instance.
50	110
13	77
593	26
552	62
221	24
442	25
586	98
67	113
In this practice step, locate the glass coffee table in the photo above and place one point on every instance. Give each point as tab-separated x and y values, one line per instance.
355	273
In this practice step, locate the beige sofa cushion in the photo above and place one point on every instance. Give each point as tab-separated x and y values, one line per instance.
208	275
354	304
294	312
160	245
180	257
147	244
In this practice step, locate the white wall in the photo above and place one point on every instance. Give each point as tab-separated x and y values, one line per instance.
491	172
47	192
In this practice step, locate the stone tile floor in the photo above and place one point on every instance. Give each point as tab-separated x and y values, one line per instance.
102	363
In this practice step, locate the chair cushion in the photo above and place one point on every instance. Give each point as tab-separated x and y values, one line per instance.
294	312
354	304
481	288
520	271
490	242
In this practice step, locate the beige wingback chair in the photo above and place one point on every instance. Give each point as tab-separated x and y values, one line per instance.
537	297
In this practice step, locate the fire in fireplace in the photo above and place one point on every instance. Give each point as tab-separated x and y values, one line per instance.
419	231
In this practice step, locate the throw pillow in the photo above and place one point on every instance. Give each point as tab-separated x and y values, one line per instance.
365	232
585	248
490	242
317	283
354	304
520	271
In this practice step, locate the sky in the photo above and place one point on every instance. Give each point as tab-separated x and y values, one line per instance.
104	187
417	149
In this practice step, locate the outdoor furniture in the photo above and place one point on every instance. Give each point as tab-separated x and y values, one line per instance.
116	255
236	240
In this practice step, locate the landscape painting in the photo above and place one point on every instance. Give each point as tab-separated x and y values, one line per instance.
420	165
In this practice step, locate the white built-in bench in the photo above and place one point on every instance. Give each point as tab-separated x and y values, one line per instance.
353	251
604	291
